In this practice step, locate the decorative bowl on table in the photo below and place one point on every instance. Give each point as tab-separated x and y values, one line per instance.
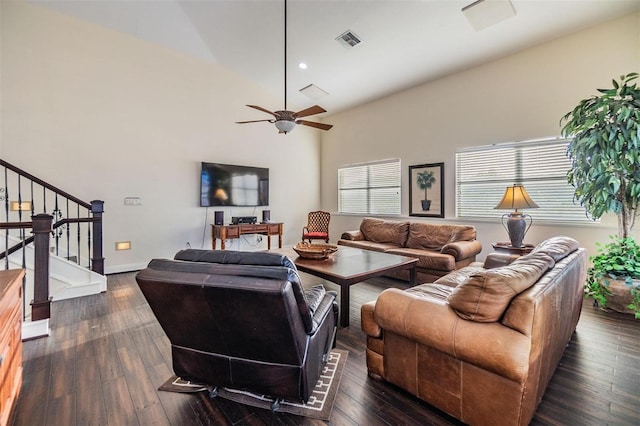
314	251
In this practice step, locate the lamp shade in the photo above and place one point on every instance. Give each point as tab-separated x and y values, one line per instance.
516	197
285	125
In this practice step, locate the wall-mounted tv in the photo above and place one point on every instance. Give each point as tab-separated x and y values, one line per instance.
229	185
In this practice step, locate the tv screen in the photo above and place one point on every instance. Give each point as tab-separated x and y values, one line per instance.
229	185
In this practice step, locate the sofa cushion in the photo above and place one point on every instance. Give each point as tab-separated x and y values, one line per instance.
485	295
367	245
427	259
457	277
557	247
231	257
384	231
432	236
434	292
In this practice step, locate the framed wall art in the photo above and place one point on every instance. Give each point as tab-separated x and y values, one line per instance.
426	190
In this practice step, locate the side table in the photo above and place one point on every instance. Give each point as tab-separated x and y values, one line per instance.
508	248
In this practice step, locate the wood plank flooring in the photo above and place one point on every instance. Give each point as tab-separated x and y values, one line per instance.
107	355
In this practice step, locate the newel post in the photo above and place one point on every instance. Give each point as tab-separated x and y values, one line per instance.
97	261
41	305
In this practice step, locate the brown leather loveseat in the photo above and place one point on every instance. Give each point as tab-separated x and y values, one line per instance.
242	320
481	344
440	249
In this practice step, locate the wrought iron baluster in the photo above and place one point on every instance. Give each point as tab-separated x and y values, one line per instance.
68	226
33	204
6	210
89	253
57	214
78	226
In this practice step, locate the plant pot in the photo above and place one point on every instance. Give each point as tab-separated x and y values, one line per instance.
620	296
426	204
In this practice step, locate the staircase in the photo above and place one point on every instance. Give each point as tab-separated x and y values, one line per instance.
62	259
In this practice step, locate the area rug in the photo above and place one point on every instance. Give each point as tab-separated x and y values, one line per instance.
319	405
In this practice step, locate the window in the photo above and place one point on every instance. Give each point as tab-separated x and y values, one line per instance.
483	173
370	188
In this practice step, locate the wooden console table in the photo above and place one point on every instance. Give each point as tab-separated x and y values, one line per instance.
230	232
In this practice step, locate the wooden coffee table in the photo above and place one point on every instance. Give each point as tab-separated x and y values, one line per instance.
350	266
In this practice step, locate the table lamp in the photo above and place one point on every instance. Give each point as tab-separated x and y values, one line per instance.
516	197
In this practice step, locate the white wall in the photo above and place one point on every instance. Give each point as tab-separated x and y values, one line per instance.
103	115
519	97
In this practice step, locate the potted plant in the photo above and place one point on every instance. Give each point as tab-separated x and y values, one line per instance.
605	172
425	180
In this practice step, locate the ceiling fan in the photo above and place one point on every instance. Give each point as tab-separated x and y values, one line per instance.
285	120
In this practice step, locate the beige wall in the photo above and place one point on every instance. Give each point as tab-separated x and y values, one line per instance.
519	97
103	115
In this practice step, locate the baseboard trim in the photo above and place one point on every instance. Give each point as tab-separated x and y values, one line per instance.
35	329
118	269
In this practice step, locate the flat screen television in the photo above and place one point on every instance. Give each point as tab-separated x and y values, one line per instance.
229	185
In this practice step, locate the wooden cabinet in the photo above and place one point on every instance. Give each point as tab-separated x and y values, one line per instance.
10	340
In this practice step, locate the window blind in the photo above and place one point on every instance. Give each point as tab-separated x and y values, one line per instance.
370	188
483	173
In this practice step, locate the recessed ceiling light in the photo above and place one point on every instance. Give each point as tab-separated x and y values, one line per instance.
302	66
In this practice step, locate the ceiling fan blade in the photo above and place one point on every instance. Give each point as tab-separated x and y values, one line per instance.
316	109
263	110
252	121
320	126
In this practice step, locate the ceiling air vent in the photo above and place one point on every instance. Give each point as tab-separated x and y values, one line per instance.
313	91
349	39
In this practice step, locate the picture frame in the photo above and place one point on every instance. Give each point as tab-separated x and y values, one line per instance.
426	190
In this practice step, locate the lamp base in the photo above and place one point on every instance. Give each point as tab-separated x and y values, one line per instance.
516	227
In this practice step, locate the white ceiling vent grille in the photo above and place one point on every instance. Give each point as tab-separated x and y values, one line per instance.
349	39
313	91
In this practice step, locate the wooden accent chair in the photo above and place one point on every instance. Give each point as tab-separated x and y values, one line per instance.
317	226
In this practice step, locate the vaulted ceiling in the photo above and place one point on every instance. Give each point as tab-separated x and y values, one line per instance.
404	43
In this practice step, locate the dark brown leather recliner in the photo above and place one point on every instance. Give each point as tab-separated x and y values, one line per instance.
242	320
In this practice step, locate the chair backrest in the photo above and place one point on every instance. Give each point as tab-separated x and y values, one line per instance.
318	221
242	310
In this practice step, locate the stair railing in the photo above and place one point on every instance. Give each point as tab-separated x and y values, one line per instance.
64	223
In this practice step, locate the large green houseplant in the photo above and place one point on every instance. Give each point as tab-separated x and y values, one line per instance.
605	172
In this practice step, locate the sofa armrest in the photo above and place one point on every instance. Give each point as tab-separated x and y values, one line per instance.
496	260
367	321
462	249
352	235
433	323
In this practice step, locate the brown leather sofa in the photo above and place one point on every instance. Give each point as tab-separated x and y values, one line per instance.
481	344
440	249
242	320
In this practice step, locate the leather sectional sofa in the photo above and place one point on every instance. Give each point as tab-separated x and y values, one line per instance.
481	343
440	249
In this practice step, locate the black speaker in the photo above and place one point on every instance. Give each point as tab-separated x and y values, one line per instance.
266	216
218	218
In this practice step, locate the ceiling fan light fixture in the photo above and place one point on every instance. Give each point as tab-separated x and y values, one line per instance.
285	125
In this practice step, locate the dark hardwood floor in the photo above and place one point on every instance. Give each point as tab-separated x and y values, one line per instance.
107	355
